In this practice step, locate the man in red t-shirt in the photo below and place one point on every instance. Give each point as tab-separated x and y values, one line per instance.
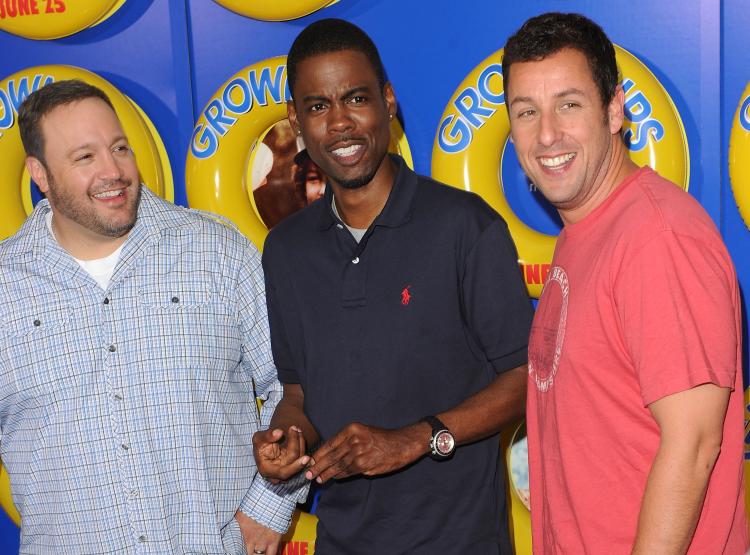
635	413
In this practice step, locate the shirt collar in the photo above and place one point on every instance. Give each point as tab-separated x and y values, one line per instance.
398	208
33	236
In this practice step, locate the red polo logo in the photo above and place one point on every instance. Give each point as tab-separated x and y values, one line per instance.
405	295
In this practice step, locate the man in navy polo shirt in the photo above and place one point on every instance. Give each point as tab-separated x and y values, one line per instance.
399	324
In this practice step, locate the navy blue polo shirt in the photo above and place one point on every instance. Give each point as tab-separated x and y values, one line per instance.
420	314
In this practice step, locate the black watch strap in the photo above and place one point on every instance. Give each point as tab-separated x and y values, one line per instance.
434	423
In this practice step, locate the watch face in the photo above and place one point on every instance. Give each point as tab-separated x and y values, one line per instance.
444	443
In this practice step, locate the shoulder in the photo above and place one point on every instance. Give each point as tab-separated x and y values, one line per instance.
662	219
25	239
168	218
198	234
454	207
660	205
297	229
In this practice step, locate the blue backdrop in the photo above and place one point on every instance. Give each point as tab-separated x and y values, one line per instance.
171	56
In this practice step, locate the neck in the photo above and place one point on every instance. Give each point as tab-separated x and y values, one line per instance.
82	243
359	207
618	168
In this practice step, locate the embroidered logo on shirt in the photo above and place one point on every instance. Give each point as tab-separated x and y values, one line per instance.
405	295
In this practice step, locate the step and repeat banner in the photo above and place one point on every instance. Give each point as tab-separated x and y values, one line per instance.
200	86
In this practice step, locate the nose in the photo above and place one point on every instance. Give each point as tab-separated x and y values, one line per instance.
339	119
549	128
109	167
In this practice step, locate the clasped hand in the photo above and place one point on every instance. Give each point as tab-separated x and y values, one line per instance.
356	449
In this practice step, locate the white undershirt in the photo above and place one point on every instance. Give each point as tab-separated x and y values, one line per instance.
100	269
356	232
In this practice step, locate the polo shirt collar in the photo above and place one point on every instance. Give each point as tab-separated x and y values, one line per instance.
398	208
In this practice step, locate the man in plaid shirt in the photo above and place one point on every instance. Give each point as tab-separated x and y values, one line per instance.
131	334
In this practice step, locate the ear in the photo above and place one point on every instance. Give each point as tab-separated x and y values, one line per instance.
390	100
38	173
616	111
291	112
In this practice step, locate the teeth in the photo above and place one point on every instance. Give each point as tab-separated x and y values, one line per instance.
557	160
109	194
347	151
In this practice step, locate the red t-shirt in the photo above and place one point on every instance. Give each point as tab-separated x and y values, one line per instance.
641	302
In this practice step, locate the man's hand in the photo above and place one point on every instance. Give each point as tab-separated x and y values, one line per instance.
258	539
279	456
360	449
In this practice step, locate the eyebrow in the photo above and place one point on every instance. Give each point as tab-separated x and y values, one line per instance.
87	146
348	93
567	92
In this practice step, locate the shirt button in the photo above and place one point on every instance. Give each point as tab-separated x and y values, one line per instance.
125	446
118	397
134	493
339	226
106	300
112	348
37	323
355	260
175	299
142	538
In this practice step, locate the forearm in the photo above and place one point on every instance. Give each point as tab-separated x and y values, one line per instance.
487	412
289	412
673	498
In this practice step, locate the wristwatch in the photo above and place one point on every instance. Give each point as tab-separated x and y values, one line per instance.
442	442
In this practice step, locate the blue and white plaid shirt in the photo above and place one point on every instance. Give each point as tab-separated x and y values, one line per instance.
127	414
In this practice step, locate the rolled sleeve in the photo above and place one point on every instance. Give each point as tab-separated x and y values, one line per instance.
272	505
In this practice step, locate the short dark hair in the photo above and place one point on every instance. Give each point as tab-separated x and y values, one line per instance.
43	101
332	35
547	34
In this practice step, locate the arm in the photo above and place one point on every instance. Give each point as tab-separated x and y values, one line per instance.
266	510
691	424
360	449
280	455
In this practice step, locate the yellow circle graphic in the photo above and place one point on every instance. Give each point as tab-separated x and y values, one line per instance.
739	154
275	10
226	144
474	130
52	19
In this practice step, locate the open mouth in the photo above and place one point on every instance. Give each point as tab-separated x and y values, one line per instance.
110	194
556	162
347	153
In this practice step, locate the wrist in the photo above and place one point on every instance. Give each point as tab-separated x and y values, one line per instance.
442	444
418	440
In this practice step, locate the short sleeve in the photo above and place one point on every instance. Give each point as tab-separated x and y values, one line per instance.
498	308
677	303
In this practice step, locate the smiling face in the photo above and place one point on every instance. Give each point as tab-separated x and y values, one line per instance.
567	142
343	116
89	177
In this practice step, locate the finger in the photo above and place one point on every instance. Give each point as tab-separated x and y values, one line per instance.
339	466
275	471
300	440
325	460
290	450
266	437
343	468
